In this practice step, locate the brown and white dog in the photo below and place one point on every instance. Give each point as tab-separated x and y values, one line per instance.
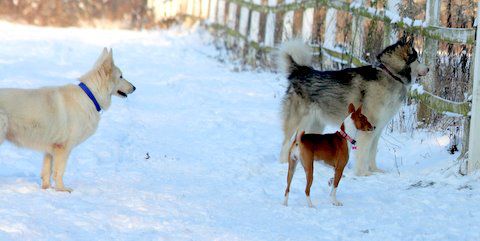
332	148
323	96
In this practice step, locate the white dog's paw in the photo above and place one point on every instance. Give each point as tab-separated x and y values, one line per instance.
46	185
376	169
363	173
63	189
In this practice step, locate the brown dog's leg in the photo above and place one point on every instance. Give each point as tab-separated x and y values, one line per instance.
307	161
292	165
46	171
60	157
338	175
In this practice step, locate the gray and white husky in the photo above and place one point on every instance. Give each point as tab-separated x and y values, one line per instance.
316	98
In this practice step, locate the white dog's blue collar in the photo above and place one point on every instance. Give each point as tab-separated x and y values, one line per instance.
90	95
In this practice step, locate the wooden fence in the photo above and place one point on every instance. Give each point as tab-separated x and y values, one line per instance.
254	27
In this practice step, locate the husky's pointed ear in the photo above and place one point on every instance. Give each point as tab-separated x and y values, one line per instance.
351	108
410	40
403	40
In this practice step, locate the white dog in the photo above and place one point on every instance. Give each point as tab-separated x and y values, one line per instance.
54	120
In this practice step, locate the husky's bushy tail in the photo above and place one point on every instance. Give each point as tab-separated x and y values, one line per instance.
293	54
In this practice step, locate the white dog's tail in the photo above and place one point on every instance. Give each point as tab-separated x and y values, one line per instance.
292	54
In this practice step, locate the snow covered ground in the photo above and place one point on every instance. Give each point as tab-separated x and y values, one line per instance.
212	137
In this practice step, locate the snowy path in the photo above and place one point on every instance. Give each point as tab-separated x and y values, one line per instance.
213	138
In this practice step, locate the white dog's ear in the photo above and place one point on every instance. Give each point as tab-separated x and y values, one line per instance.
101	58
104	52
106	59
110	55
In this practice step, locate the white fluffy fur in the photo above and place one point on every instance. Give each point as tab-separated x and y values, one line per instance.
54	120
298	50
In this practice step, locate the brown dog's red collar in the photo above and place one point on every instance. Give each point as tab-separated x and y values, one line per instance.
347	137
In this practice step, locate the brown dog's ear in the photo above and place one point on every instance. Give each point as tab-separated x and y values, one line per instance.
351	108
359	110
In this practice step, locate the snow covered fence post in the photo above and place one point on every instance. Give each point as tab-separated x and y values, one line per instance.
198	8
212	16
298	22
390	36
270	26
205	10
308	24
432	18
287	31
278	24
358	32
221	11
243	27
330	35
474	145
253	35
189	6
231	22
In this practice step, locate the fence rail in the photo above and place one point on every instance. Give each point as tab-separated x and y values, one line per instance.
257	26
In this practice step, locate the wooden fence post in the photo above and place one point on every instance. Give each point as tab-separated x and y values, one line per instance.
287	30
270	26
254	23
307	24
253	34
231	18
424	115
330	34
231	23
474	142
221	12
213	10
198	8
279	25
390	36
189	6
205	10
358	33
263	24
176	8
297	28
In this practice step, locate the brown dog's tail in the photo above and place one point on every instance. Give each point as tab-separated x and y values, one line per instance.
299	137
295	143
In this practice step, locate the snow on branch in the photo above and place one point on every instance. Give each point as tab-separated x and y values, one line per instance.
439	104
450	35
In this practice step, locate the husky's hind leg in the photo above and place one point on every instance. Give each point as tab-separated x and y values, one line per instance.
293	110
372	165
